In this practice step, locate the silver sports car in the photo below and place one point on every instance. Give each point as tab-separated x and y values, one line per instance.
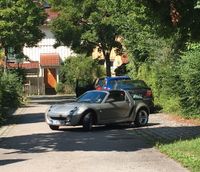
99	107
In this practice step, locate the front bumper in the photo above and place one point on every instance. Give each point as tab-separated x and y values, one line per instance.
58	121
69	120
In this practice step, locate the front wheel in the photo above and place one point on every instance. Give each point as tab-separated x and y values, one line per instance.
142	118
53	127
87	122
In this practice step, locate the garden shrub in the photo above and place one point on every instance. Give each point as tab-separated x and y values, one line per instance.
10	93
189	73
79	68
175	82
59	88
62	88
165	82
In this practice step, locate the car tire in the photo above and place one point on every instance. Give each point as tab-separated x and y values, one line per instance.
54	127
142	118
88	122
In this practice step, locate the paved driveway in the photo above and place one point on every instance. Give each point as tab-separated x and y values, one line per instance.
29	145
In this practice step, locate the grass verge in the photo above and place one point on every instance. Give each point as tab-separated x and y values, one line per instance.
186	152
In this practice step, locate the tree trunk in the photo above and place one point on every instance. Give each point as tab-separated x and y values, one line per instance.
106	54
5	59
107	59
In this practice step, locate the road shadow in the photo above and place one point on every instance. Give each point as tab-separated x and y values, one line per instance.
30	118
49	99
10	161
26	118
51	102
100	139
100	128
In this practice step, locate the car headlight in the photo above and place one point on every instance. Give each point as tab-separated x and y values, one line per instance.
48	109
73	111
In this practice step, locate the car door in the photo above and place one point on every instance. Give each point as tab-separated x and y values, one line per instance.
115	108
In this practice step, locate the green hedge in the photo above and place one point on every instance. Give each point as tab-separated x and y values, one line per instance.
81	68
10	93
175	82
190	75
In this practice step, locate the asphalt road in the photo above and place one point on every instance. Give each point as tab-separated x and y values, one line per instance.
28	145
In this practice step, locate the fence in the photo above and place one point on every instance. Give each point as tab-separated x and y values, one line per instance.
34	86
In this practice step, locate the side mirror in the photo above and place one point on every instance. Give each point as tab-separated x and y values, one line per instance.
137	97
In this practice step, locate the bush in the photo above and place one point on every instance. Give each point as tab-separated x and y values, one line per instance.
10	93
164	80
62	88
78	68
175	82
189	73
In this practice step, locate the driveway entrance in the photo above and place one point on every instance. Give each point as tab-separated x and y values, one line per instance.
30	145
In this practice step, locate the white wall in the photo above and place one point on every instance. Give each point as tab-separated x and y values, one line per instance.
46	46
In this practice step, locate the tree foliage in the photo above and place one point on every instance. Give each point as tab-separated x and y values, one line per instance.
189	73
19	24
83	25
79	68
155	32
155	44
185	13
10	93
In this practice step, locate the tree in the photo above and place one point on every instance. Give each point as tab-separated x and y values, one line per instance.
81	68
138	27
86	24
156	29
183	15
163	28
189	71
19	24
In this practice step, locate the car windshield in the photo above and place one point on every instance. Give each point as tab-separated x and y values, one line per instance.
130	84
92	97
114	82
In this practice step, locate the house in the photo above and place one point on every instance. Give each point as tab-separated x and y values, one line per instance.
42	66
115	59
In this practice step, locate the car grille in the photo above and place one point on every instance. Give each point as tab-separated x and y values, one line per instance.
58	118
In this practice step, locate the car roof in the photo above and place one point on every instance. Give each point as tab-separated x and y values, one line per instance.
117	77
139	83
107	91
114	77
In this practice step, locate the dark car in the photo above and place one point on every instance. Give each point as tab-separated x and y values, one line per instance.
107	83
99	107
138	87
82	86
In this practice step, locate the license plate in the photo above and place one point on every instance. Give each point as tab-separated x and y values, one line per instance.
57	122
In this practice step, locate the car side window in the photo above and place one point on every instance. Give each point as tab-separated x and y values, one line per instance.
112	84
100	83
117	96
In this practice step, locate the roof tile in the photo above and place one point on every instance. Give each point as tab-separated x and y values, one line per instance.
50	59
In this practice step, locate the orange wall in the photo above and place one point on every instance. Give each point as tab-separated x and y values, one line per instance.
50	77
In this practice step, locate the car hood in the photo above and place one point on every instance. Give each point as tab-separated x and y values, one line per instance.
63	108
